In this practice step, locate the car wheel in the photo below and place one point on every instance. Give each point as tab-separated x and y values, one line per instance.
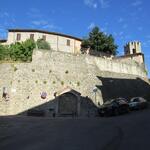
116	112
127	110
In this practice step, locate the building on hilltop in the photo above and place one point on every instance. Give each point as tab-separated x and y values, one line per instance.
67	43
57	41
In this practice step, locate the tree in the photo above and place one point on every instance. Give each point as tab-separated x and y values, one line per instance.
42	44
100	42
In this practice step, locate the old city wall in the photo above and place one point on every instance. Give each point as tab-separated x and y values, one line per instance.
51	71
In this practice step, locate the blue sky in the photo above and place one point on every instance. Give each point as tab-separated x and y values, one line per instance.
126	20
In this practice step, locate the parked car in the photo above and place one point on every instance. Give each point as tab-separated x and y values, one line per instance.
114	107
137	103
36	113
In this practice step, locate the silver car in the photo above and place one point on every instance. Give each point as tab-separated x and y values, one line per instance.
137	103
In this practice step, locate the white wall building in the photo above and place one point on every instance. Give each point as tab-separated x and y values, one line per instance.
57	41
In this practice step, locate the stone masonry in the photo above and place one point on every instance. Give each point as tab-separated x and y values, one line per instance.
51	71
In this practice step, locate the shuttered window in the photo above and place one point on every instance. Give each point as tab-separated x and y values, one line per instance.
32	36
68	42
44	37
18	37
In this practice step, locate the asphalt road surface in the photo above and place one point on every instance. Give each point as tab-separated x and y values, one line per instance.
127	132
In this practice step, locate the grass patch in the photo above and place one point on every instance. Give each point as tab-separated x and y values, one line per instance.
62	82
15	69
45	82
67	72
78	83
33	70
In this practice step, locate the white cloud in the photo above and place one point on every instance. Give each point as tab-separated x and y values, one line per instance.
121	33
91	26
95	3
104	29
104	3
44	24
51	27
124	26
140	28
91	3
120	20
39	22
137	3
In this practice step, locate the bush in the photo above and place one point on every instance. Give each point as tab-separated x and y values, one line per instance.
22	51
42	44
4	52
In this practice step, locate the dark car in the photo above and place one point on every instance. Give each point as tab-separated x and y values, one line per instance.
114	107
137	103
36	113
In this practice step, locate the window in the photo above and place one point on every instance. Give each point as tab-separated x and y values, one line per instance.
68	42
44	37
18	37
32	36
134	51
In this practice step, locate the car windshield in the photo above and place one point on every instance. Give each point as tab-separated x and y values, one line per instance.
136	100
122	101
108	102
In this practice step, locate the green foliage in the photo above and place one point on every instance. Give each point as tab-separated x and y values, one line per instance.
42	44
146	72
22	51
78	83
15	69
33	70
67	72
18	51
4	52
99	41
62	82
44	82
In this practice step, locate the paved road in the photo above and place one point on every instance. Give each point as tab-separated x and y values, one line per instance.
127	132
